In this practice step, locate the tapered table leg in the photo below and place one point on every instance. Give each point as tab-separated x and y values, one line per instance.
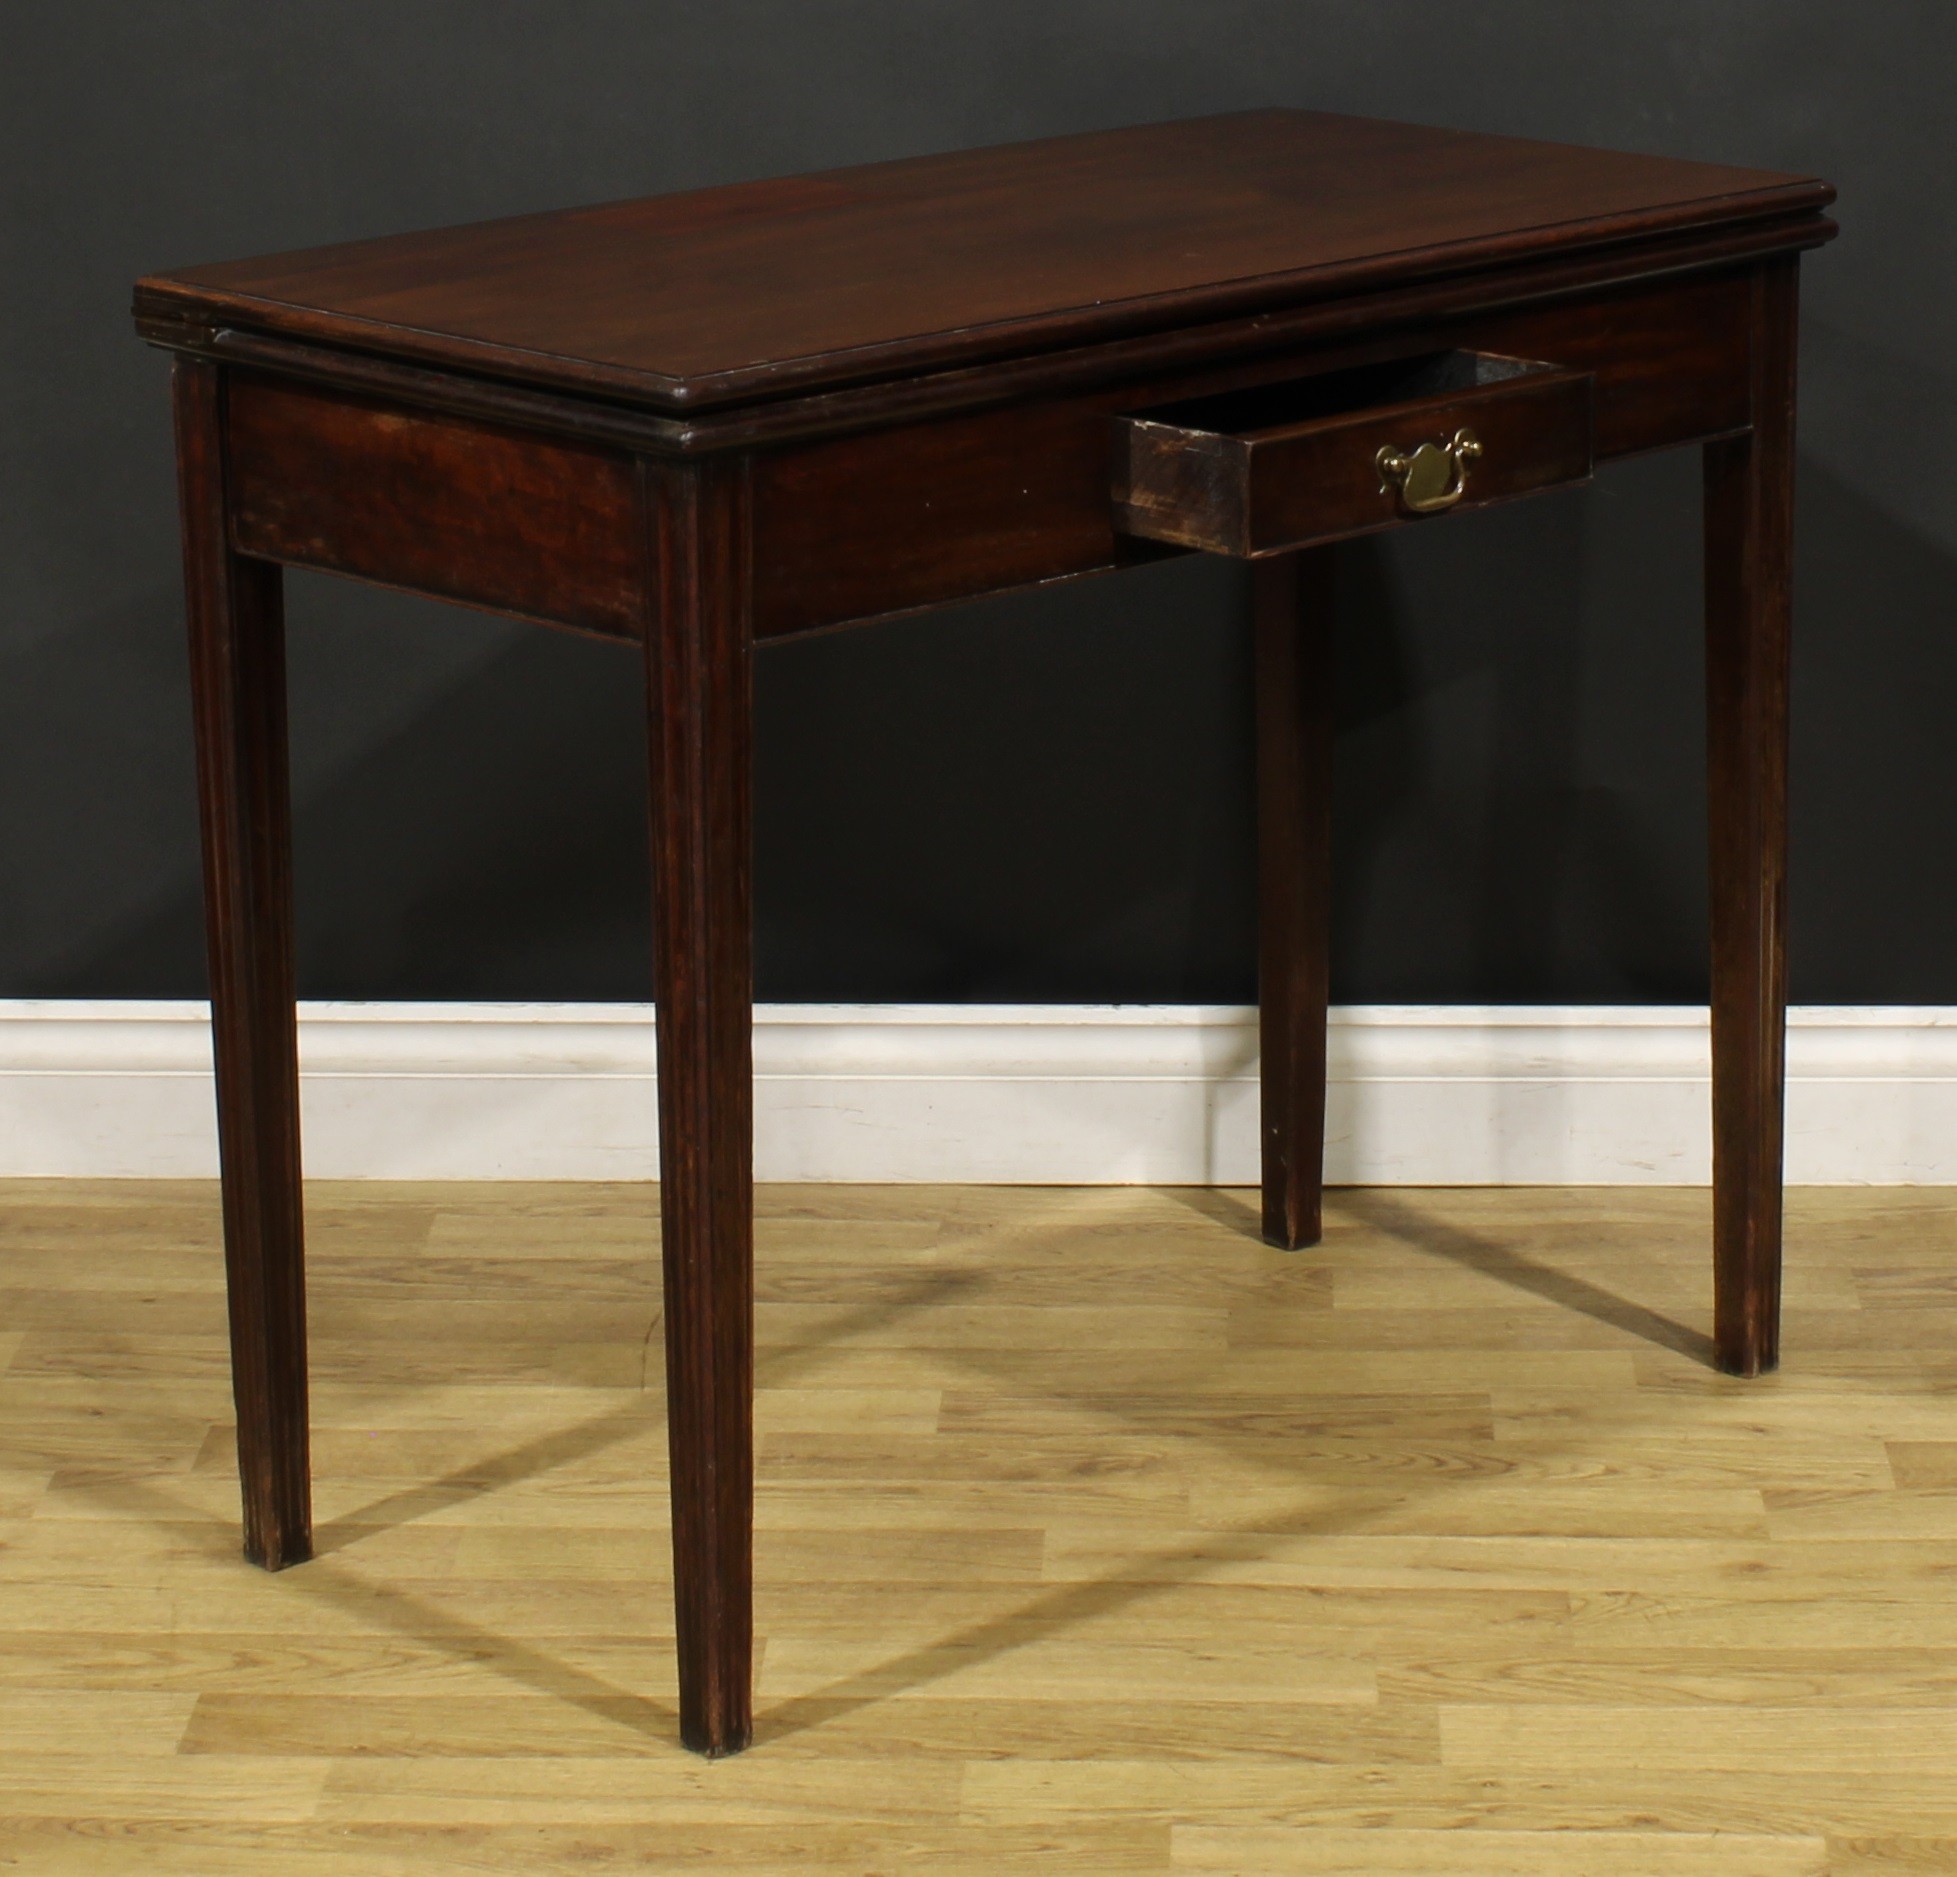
1292	619
237	671
699	687
1749	566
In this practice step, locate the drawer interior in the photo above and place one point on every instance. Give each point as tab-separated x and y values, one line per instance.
1257	409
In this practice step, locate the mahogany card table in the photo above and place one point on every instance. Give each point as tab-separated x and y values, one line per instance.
702	422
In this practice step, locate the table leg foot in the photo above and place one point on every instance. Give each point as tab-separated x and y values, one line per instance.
1291	603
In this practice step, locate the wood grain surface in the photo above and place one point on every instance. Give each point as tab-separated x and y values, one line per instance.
891	520
487	517
750	290
1093	1536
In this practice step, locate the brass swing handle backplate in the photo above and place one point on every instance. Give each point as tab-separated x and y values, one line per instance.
1433	477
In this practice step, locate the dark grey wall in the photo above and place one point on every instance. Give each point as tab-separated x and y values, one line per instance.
1045	797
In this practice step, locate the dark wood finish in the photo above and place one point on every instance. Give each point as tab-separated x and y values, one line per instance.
1550	282
892	520
900	268
1291	618
699	702
483	515
1749	582
781	407
1280	467
237	681
884	521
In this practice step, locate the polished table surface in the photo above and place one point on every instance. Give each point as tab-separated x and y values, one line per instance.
724	295
705	420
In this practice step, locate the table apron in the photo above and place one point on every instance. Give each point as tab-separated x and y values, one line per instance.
874	522
893	520
499	519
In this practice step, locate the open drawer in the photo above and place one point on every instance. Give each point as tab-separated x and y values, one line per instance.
1282	466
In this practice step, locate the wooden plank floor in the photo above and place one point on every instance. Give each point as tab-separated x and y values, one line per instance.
1093	1536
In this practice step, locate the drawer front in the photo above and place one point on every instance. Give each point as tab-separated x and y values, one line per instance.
1248	488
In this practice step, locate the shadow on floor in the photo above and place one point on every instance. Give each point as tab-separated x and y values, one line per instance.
1381	1211
1053	1608
1407	1225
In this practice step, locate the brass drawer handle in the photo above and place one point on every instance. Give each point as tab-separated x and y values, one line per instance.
1434	477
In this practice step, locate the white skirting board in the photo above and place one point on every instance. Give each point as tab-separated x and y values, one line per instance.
1033	1093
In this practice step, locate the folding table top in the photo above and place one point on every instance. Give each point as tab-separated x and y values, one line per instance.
750	291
